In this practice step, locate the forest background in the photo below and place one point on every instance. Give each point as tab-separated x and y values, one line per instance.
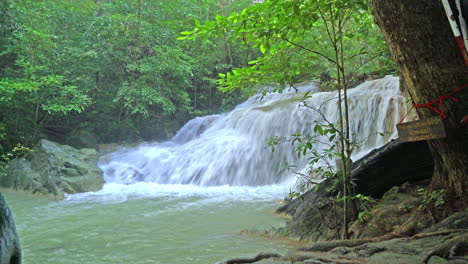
114	71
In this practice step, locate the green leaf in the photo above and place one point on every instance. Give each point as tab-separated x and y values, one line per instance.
262	48
318	128
186	32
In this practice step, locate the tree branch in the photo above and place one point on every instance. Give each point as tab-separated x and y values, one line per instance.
310	50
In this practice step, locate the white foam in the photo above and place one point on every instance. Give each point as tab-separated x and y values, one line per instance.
117	193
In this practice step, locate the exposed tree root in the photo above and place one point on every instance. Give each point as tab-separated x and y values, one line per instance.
416	223
450	249
270	234
438	233
252	260
329	245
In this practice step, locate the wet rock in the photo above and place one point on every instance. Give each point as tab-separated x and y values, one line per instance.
315	215
10	252
314	218
394	209
273	261
368	250
457	220
257	258
392	165
54	169
452	248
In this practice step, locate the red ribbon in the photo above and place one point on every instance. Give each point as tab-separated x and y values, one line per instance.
439	101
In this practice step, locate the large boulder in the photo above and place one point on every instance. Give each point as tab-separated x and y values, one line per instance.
54	169
10	252
392	165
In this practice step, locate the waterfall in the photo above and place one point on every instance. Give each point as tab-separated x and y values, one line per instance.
231	148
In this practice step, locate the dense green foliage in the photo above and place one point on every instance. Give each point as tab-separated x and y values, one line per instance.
112	68
115	69
299	40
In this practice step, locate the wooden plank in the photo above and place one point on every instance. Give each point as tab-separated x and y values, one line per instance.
428	129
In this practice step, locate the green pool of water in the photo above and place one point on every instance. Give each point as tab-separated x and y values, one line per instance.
124	226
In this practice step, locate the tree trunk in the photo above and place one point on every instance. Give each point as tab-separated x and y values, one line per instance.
423	46
99	12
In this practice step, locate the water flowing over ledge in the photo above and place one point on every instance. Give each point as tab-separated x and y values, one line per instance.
231	149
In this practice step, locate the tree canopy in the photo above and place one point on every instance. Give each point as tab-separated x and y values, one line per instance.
298	40
111	67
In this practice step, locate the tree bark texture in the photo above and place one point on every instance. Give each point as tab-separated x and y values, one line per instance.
430	64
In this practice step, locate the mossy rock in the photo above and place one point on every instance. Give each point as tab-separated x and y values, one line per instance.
54	169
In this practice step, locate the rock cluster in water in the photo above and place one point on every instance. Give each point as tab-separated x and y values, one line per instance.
54	169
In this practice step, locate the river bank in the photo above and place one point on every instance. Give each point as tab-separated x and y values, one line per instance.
433	247
406	223
400	228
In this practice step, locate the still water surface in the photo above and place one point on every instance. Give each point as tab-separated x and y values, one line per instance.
146	223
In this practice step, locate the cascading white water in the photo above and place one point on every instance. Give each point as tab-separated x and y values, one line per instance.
231	149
